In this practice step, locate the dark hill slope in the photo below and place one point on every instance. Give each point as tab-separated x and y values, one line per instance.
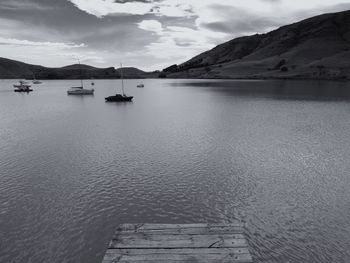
10	69
317	47
14	69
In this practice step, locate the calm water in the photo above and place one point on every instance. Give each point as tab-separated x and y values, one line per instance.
274	154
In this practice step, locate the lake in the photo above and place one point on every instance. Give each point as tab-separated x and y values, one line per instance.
273	154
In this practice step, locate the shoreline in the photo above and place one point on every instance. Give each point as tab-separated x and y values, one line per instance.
207	78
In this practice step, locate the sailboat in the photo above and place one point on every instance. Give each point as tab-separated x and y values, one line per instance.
35	81
120	97
80	90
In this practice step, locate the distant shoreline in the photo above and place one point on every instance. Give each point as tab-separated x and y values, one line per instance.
192	78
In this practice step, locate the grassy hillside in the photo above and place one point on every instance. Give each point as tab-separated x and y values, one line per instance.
316	48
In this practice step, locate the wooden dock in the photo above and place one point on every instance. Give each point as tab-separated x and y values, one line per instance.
207	243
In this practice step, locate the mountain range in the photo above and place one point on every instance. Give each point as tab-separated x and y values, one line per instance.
315	48
11	69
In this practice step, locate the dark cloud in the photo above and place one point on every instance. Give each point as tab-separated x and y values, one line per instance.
63	22
18	5
237	21
303	14
183	43
238	27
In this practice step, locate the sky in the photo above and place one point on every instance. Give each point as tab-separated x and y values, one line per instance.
147	34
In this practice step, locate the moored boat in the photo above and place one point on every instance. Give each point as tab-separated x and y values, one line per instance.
80	90
35	81
22	87
120	97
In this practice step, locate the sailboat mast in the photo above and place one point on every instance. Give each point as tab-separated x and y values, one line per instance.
121	76
81	79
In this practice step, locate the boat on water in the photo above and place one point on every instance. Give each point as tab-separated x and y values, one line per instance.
35	81
80	90
120	97
140	85
22	87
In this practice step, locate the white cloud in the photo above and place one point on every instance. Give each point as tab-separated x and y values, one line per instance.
18	42
151	25
101	8
84	57
46	53
52	56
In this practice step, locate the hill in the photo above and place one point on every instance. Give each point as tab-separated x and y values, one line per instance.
11	69
315	48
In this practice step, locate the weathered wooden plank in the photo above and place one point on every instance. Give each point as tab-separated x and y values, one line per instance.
186	230
126	227
178	241
179	255
244	258
132	251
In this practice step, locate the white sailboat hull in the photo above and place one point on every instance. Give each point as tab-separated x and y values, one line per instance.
80	91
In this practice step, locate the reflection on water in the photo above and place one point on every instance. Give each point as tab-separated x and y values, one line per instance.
273	154
278	89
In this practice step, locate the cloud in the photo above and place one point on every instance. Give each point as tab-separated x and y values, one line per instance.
236	21
18	42
21	5
101	8
151	25
178	43
273	1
